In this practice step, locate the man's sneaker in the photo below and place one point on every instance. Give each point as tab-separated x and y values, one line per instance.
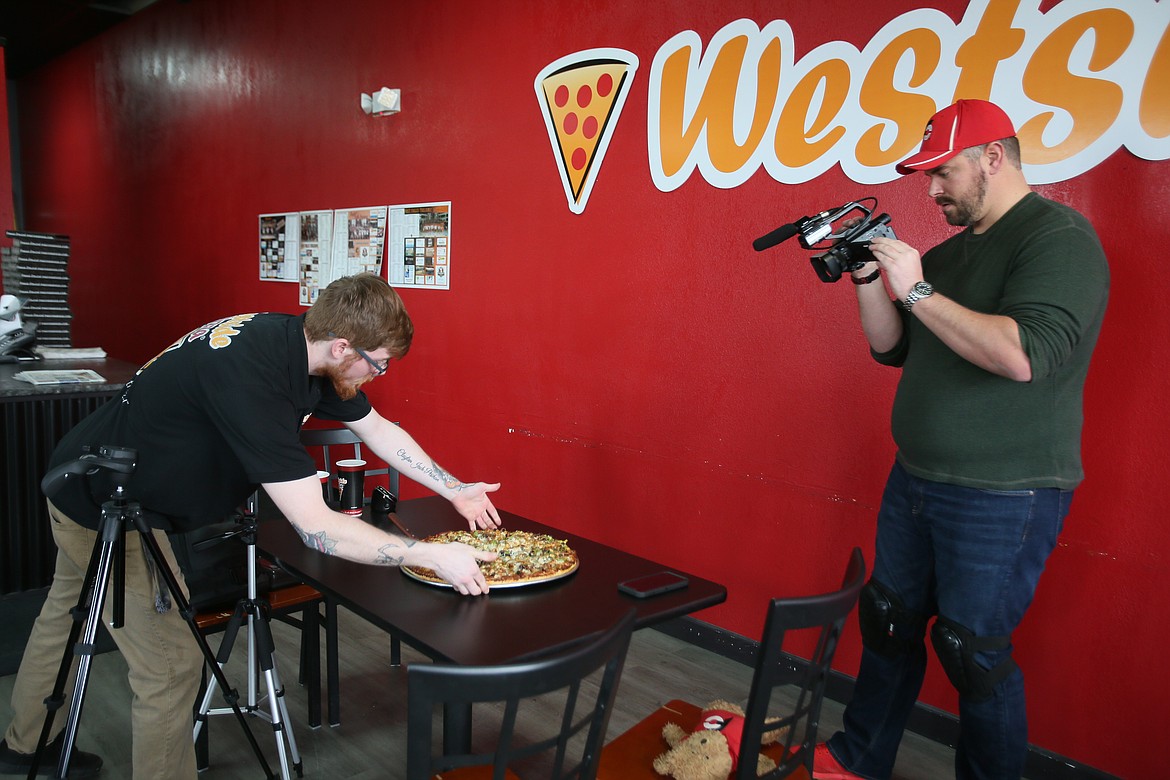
825	767
81	764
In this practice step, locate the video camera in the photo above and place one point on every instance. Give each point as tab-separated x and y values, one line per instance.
845	249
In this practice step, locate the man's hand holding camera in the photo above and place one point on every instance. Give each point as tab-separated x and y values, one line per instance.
900	262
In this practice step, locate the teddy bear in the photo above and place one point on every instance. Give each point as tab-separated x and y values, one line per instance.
711	750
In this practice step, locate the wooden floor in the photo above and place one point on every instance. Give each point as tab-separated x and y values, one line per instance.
370	742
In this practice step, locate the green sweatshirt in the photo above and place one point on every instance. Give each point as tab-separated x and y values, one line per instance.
1042	265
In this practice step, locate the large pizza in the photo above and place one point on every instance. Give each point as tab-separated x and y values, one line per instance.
523	558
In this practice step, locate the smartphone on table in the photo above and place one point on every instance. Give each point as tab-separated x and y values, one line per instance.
653	584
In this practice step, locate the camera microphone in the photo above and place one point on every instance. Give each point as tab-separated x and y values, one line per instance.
785	232
779	235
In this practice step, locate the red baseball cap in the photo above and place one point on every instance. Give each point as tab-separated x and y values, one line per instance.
965	124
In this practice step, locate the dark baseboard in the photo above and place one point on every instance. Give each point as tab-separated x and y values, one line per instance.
930	722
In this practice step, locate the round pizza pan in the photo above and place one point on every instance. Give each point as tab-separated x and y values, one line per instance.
537	581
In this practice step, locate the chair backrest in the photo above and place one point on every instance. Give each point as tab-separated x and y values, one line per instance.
824	614
555	745
326	438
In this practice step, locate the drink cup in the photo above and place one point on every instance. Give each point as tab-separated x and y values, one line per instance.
351	485
324	477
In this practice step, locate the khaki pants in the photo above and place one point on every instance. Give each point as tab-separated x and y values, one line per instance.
163	659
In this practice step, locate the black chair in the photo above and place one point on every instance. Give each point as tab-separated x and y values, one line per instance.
339	444
326	438
631	755
565	724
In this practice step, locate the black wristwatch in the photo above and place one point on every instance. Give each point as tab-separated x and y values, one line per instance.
919	291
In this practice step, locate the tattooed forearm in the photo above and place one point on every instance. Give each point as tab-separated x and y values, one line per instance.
319	541
432	470
389	555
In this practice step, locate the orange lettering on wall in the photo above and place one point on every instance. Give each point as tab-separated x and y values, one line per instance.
1075	77
1093	103
1154	107
994	41
716	108
879	98
792	145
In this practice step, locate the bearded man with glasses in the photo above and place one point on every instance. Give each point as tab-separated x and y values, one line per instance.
213	416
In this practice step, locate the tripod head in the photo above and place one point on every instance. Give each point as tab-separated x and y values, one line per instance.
245	527
120	462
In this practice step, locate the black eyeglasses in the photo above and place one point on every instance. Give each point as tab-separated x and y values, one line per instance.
379	366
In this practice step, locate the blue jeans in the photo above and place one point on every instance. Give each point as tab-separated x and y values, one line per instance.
972	556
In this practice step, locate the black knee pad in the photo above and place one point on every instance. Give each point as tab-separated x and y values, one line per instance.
887	627
956	647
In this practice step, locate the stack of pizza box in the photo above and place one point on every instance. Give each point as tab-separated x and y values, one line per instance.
36	270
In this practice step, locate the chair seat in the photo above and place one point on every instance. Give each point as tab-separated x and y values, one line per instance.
280	600
631	755
474	773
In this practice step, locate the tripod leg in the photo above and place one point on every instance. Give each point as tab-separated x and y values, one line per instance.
78	613
232	697
107	546
202	726
266	655
221	659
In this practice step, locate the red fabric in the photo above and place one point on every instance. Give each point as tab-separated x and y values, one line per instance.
730	724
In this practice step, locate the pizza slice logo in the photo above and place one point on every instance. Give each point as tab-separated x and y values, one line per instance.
581	96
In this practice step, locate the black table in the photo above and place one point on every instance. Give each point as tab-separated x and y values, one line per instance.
506	625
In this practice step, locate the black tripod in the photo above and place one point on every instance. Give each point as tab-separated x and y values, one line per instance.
109	557
261	651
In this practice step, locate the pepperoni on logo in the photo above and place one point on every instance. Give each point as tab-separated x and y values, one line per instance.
581	97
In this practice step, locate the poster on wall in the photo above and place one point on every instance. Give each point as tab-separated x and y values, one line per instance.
339	243
279	238
418	250
315	253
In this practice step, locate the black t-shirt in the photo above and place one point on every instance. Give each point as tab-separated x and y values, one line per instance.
211	417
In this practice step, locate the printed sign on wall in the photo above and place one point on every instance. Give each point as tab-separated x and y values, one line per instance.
418	252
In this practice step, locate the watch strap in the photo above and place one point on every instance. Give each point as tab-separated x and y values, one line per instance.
873	277
919	291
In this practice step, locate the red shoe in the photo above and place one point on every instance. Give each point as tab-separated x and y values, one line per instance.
825	767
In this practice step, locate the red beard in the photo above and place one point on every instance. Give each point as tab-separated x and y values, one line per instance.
345	387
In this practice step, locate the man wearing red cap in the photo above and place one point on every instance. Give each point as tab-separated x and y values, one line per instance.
993	330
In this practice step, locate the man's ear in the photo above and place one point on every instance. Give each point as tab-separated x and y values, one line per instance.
996	157
337	348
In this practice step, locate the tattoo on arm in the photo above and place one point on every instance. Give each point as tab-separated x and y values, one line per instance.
388	555
319	541
432	471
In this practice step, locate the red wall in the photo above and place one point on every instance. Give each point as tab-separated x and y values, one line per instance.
636	373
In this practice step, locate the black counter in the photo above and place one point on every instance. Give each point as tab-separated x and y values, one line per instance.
116	372
33	418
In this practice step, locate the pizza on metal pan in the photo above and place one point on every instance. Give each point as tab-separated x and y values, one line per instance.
522	558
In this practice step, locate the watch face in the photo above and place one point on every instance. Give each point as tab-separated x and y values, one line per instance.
923	288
